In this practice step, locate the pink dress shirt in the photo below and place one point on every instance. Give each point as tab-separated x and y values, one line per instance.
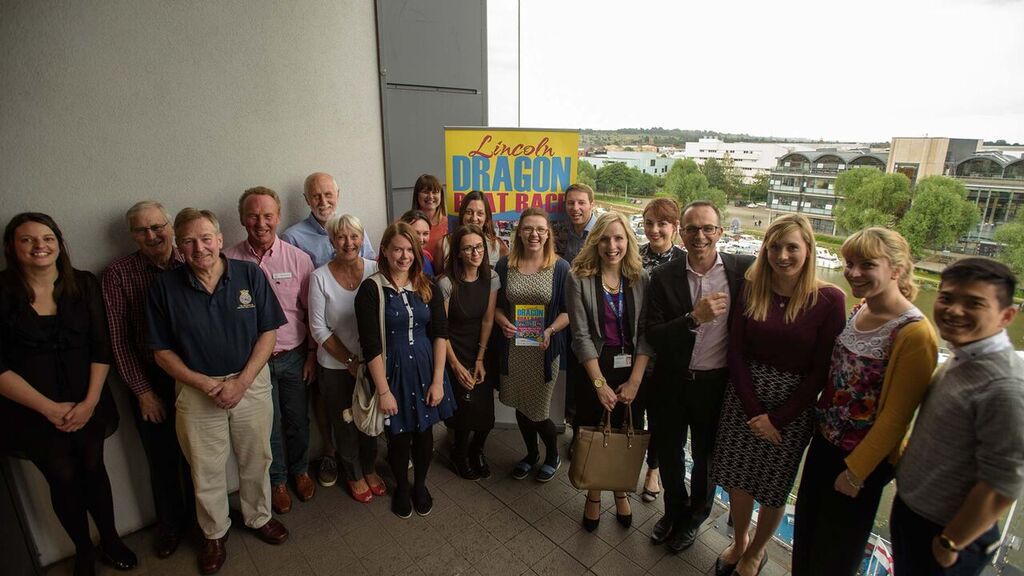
287	269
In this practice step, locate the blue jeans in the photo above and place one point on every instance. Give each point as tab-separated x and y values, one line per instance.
291	414
912	536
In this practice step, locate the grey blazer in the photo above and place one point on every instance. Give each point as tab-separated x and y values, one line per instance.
585	305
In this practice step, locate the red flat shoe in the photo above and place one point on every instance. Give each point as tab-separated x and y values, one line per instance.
363	497
379	489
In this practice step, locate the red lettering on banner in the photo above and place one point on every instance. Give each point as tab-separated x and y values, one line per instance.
522	202
487	150
501	196
537	201
552	203
457	199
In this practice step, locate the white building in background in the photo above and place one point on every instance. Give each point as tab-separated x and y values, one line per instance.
750	158
647	162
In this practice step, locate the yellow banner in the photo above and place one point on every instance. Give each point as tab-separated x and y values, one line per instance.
515	168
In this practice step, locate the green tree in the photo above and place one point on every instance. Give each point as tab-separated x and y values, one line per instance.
757	191
870	198
1012	237
686	183
641	183
612	177
586	174
939	214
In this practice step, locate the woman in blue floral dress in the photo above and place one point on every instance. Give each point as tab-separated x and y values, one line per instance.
881	366
411	384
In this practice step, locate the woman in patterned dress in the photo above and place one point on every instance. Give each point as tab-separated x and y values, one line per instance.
881	366
780	342
604	296
532	275
411	383
661	226
470	289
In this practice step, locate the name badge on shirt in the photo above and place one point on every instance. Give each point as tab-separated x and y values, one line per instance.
622	361
281	275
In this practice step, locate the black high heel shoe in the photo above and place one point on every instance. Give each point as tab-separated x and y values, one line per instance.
624	519
118	555
591	524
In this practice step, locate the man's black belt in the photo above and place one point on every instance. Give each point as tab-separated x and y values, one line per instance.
703	375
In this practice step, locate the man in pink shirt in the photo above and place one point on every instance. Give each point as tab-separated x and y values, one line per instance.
293	363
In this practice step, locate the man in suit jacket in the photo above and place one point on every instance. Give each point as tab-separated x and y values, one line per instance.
688	307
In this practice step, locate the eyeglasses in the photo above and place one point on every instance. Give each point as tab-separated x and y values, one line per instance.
707	229
532	231
477	249
155	229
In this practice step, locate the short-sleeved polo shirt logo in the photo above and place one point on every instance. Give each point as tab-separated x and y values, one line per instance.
245	300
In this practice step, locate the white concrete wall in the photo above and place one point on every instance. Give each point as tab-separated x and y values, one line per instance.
104	103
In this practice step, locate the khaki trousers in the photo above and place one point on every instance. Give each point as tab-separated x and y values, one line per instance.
206	433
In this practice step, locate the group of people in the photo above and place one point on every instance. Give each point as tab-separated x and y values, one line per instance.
747	360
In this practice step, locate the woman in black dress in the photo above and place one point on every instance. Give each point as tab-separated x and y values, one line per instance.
54	358
470	290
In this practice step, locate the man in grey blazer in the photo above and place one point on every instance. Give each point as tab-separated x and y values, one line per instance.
688	307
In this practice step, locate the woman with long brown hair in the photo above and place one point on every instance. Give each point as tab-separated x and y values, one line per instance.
428	197
55	407
410	380
780	341
475	211
470	289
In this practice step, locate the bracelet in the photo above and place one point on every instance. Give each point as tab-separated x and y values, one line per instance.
483	346
481	359
384	393
850	480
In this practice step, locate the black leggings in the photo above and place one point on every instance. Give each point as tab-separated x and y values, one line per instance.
418	445
465	447
78	484
548	434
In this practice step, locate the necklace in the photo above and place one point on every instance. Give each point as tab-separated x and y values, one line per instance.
342	276
608	288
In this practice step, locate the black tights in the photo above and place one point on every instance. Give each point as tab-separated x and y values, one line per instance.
465	447
418	445
548	434
78	484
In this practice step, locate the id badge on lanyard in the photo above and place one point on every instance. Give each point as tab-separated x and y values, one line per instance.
621	360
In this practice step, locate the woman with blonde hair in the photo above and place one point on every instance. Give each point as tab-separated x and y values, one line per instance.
533	281
332	323
407	370
605	295
780	341
881	367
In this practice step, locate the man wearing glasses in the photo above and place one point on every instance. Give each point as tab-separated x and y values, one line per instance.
125	286
687	316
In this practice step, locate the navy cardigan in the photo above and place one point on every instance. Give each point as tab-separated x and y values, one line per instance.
551	311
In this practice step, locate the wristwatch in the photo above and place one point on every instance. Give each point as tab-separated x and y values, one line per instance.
599	382
691	322
947	543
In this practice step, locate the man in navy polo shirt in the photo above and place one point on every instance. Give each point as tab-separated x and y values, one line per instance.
212	325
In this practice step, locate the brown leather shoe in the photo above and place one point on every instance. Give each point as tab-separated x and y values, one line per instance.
213	554
273	532
280	500
304	487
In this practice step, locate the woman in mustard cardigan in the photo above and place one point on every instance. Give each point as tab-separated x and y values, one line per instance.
881	366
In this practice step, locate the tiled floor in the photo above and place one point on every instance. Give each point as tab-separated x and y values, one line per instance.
498	526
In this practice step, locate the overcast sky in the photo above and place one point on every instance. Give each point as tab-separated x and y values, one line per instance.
849	71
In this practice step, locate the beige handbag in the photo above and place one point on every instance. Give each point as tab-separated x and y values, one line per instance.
365	413
606	459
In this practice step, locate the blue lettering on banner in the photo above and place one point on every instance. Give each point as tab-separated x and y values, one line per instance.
526	174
